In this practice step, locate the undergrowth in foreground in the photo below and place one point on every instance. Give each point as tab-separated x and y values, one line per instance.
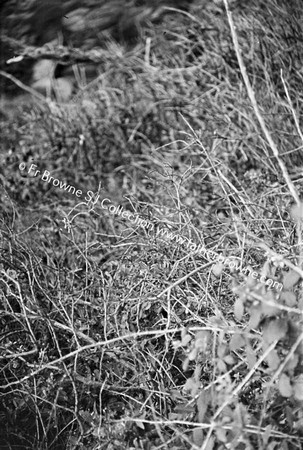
114	338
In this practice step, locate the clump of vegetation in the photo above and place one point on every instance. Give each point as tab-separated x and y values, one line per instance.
112	337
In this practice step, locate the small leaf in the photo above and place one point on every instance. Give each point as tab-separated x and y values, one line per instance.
239	309
198	436
290	415
273	360
140	425
298	388
296	212
216	321
221	434
86	416
221	366
185	364
202	404
284	386
274	445
183	332
217	269
229	360
221	336
201	341
266	434
266	270
176	344
197	372
290	279
251	357
221	350
192	386
268	309
298	425
176	395
186	340
275	330
193	354
255	317
237	341
184	408
228	414
292	363
210	443
289	298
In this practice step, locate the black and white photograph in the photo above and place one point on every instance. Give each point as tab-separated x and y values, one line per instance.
151	224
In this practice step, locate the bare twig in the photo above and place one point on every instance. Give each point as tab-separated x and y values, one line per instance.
255	106
24	87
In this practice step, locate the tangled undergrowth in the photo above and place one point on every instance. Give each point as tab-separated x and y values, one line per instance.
112	337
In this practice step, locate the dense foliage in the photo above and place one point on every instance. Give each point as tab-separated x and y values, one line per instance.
111	336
